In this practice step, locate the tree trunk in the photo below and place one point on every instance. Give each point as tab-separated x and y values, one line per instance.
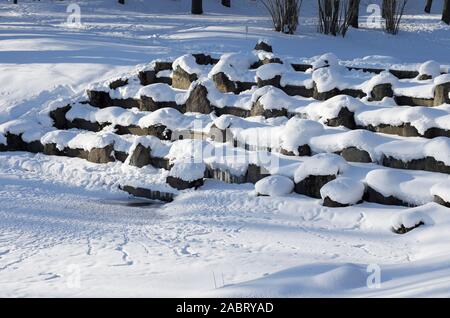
384	7
122	1
197	7
428	6
446	12
354	12
226	3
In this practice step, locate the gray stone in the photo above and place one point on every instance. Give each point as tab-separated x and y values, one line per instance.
374	196
403	230
180	184
59	117
258	110
345	118
140	156
304	150
147	77
405	130
381	91
441	201
333	204
118	83
182	79
255	173
99	99
425	164
198	101
311	185
353	154
101	155
149	194
413	101
160	131
441	94
292	90
270	82
224	84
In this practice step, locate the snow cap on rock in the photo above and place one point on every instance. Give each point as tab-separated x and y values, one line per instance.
324	164
275	185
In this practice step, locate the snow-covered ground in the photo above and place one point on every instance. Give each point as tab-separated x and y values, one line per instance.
65	231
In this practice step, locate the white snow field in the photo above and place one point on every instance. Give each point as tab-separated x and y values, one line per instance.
67	230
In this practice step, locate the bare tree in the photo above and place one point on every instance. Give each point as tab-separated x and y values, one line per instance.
446	12
354	16
197	7
284	13
393	11
428	6
334	16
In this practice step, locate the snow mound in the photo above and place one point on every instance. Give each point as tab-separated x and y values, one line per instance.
430	68
315	279
324	164
275	185
272	98
169	117
360	139
325	60
188	171
236	66
330	108
442	79
418	148
29	129
410	219
90	140
188	63
271	70
409	186
161	92
298	132
442	190
343	190
422	118
382	78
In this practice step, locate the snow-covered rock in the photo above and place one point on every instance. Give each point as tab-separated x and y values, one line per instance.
160	92
297	132
275	185
430	69
441	193
409	220
188	171
342	191
329	109
236	67
321	165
